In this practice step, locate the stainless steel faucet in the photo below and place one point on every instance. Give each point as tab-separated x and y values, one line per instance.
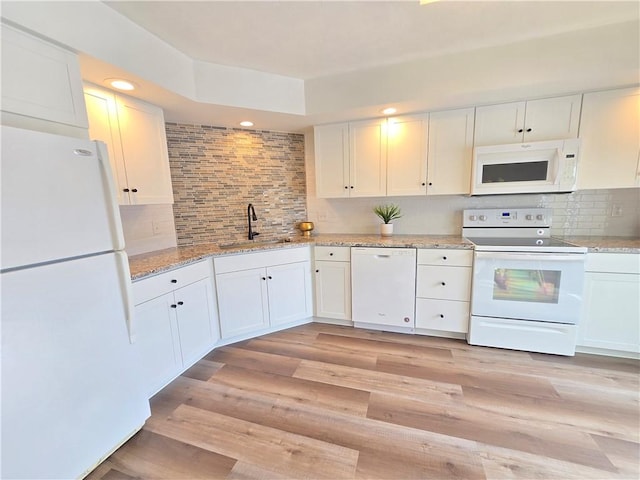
251	215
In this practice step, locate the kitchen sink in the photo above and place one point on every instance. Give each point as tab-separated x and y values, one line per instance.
254	243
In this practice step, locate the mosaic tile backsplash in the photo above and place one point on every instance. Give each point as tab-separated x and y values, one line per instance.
217	171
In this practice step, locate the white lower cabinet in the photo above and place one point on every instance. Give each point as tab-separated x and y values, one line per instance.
175	322
443	290
611	313
277	292
333	282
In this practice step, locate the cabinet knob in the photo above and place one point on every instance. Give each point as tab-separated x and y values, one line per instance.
346	187
180	303
331	254
528	129
270	277
444	258
173	280
430	183
441	316
125	190
173	305
443	284
423	184
317	271
264	278
134	190
520	130
351	186
407	319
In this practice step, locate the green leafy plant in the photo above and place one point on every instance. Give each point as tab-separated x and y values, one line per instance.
387	212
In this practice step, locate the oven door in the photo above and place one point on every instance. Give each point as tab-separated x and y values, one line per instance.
546	287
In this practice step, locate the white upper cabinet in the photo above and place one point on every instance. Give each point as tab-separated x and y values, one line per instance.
450	152
367	158
41	81
407	155
135	136
332	160
531	121
610	140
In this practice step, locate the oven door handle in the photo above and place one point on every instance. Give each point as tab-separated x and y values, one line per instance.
556	257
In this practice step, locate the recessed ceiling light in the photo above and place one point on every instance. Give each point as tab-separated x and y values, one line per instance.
246	123
389	111
120	84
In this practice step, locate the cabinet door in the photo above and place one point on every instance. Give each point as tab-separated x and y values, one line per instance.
103	126
498	124
333	289
407	155
157	342
196	321
552	118
144	144
289	288
611	312
610	142
40	80
331	145
242	302
450	152
367	155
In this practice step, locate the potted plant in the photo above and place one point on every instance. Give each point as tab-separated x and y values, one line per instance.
386	214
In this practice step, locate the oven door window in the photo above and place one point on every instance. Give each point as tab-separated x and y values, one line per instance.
526	285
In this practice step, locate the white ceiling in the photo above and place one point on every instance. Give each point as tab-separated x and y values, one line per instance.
310	39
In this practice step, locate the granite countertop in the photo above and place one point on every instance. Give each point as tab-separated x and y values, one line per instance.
163	260
597	244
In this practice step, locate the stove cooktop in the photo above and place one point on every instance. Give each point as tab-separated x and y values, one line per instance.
517	244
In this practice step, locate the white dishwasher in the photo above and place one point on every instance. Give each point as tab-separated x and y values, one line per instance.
383	288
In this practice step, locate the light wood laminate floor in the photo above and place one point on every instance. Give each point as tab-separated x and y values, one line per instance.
323	401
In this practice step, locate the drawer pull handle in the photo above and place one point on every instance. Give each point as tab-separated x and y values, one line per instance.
173	305
174	281
180	303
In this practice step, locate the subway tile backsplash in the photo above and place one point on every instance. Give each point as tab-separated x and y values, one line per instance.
217	171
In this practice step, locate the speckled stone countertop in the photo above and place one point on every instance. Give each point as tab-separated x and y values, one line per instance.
163	260
606	244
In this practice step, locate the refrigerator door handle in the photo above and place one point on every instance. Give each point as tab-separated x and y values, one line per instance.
112	201
127	294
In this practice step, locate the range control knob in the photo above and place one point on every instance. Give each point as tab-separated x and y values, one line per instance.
473	218
529	217
483	218
539	217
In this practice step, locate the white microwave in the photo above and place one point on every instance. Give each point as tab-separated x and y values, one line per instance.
525	167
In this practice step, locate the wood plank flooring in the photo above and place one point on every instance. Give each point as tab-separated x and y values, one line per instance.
323	401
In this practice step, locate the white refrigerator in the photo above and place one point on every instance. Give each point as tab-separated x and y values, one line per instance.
70	379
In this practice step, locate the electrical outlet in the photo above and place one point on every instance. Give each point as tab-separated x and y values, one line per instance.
616	211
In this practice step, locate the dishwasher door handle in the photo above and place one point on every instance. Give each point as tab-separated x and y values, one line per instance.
383	256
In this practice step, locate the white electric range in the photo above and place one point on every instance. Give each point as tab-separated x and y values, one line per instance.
527	286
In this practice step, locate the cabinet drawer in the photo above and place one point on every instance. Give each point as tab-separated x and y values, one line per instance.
445	315
153	287
247	261
439	256
613	263
444	283
335	254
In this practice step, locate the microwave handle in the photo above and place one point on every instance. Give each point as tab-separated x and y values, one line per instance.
559	257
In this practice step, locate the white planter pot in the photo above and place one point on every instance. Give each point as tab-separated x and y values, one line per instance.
386	229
